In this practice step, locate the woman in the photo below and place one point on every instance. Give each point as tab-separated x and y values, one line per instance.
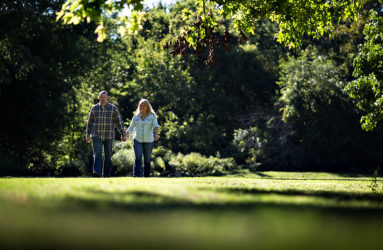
144	122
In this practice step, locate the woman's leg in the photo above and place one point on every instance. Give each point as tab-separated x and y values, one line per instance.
138	150
147	158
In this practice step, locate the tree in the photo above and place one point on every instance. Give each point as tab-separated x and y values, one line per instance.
295	18
318	128
41	63
367	89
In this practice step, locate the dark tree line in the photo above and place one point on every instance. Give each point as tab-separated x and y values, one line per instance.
264	105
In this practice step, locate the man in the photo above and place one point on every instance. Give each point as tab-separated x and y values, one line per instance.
102	120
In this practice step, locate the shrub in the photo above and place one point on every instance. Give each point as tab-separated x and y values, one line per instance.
123	158
167	163
74	168
11	166
195	164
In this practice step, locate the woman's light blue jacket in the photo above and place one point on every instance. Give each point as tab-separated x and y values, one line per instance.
144	128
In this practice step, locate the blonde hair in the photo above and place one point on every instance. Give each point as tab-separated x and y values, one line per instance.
151	110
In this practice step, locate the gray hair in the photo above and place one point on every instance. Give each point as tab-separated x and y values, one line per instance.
103	92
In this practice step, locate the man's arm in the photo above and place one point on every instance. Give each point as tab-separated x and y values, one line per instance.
89	125
117	121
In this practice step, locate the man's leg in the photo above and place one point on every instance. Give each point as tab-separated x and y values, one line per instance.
97	155
147	158
107	169
138	150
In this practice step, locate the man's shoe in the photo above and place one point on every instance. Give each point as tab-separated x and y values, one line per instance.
95	174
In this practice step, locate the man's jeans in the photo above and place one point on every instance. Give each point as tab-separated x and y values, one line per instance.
105	171
139	150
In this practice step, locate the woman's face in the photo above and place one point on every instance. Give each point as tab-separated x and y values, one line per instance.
143	108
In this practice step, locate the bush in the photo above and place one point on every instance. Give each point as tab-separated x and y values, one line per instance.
160	161
123	158
10	166
74	168
123	161
195	164
167	163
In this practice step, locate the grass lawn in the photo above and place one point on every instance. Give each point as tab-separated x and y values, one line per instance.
262	210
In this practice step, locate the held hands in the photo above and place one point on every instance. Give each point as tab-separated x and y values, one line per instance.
125	137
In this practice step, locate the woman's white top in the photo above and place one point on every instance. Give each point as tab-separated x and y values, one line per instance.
144	128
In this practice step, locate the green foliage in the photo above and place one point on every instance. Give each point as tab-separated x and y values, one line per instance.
76	11
195	164
295	18
42	64
248	143
50	75
123	158
367	89
317	126
375	185
196	107
307	85
167	163
73	168
11	166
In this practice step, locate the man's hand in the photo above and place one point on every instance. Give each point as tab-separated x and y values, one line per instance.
155	137
88	140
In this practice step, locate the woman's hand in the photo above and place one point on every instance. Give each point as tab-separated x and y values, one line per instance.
155	137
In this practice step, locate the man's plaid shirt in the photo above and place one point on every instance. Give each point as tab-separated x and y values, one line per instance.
102	120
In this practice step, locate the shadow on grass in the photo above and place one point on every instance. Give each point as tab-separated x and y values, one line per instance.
262	175
147	201
354	175
336	177
342	196
245	173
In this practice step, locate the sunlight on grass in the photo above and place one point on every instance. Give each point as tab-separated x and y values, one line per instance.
264	209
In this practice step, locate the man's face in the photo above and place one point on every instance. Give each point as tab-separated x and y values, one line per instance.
103	99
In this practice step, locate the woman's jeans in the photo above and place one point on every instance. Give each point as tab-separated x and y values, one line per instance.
145	149
103	169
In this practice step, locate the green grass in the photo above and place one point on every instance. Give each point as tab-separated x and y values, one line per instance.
262	210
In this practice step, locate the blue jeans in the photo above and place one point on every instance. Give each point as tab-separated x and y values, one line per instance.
145	149
103	169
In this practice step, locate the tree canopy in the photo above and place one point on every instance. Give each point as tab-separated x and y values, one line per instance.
367	89
295	18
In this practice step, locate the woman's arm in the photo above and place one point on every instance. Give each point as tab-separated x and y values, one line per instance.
156	134
131	127
156	126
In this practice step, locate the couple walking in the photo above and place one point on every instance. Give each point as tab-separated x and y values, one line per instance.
103	118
